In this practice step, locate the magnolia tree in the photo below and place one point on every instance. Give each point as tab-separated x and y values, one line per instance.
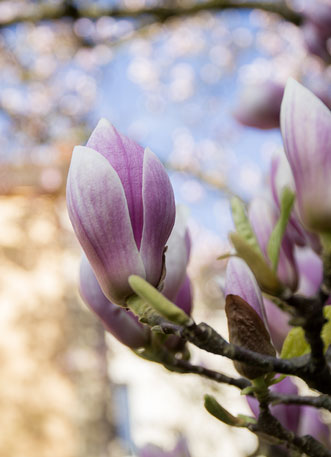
133	273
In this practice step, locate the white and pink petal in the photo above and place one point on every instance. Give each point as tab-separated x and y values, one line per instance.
99	214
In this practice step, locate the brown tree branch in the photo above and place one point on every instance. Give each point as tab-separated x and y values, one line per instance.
45	12
186	367
309	310
206	338
268	425
321	401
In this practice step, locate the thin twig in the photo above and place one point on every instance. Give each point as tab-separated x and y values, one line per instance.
187	367
321	401
206	338
268	425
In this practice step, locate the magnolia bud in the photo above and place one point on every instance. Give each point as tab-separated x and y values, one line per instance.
259	105
122	324
245	315
121	205
306	131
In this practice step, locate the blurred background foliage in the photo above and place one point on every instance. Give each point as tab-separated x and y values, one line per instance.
169	74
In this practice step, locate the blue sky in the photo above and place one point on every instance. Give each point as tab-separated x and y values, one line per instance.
205	115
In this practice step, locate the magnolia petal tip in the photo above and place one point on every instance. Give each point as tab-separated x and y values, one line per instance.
103	122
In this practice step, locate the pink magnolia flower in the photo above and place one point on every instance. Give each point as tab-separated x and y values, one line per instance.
183	298
310	268
317	27
259	105
177	255
318	12
121	205
241	281
122	324
302	420
311	424
245	314
306	131
277	323
315	40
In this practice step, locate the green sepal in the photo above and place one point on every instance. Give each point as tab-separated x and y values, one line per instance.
275	240
277	380
141	309
264	275
247	419
242	224
158	352
158	302
260	384
248	390
216	410
148	353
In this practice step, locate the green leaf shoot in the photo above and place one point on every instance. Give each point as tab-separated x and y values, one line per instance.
275	240
158	302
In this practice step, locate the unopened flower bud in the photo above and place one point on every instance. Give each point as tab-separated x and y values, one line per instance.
306	131
310	268
121	205
245	315
183	298
177	255
259	105
317	27
122	324
277	323
315	40
319	13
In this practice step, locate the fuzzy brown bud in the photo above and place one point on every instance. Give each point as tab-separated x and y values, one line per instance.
247	329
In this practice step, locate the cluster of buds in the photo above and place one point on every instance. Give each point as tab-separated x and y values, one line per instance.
242	290
306	170
121	205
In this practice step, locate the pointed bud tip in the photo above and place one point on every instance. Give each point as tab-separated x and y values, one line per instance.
103	122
